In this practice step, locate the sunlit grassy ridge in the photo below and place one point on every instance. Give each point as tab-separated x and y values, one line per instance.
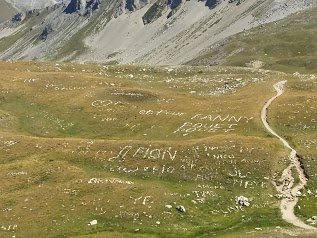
287	45
117	144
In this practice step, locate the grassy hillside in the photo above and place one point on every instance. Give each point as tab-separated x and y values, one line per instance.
117	144
287	45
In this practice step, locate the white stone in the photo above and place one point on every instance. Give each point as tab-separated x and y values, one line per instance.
181	208
243	201
93	223
298	193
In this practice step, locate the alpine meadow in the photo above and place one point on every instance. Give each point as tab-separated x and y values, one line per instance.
158	119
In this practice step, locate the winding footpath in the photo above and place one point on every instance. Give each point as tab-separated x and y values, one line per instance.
287	189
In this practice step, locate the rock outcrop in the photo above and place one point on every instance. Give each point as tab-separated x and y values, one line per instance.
133	5
125	6
92	6
75	6
147	32
18	17
212	3
47	30
154	12
174	3
238	2
84	7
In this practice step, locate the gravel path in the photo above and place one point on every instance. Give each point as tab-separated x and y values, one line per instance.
288	190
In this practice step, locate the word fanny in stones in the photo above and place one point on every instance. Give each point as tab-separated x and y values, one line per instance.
227	118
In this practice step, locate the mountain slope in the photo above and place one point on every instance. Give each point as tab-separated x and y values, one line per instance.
6	11
27	5
289	45
144	32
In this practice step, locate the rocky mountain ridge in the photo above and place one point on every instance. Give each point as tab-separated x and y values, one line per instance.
82	6
27	5
134	31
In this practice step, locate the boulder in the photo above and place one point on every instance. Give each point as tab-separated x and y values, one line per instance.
47	30
93	223
181	208
242	201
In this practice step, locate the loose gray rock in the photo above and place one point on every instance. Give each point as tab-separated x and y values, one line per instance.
18	17
47	30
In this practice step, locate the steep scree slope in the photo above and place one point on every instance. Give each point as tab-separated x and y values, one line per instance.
135	31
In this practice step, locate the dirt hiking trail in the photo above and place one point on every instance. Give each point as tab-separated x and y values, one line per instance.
288	190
